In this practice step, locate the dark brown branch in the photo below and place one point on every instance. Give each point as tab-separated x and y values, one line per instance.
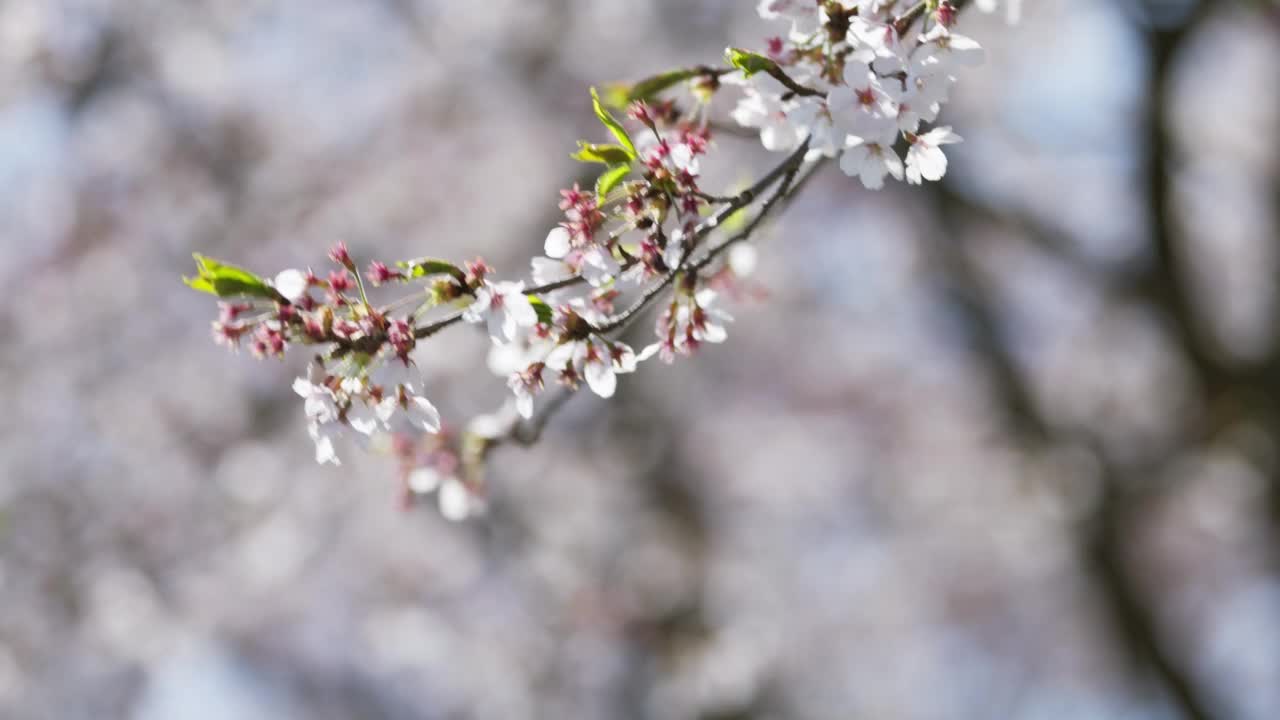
1164	287
528	432
786	193
796	88
1166	279
1132	615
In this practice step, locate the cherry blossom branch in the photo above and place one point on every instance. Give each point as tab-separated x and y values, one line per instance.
527	432
430	329
786	170
623	319
649	189
732	206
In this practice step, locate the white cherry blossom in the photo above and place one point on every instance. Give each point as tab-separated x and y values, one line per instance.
292	284
423	480
457	501
545	270
696	320
597	265
373	403
598	361
876	43
529	347
321	408
422	414
865	106
925	159
804	15
504	308
812	118
525	385
558	243
871	159
683	158
709	318
949	49
766	111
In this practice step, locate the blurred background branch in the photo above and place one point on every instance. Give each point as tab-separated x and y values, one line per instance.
1008	447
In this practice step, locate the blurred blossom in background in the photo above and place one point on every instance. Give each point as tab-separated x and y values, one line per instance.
1007	447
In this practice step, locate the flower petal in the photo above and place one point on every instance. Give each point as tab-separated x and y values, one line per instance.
423	480
477	310
601	378
557	243
455	500
521	309
291	283
423	414
325	454
524	404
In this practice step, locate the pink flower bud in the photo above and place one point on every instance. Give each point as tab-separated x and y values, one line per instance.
228	334
313	328
572	197
229	312
945	14
268	341
340	256
638	110
379	274
340	281
400	336
476	271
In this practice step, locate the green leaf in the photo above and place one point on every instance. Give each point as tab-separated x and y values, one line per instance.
605	154
541	308
609	180
651	86
428	266
748	62
616	95
612	123
200	284
224	280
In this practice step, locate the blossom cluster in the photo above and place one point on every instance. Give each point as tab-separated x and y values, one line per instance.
849	79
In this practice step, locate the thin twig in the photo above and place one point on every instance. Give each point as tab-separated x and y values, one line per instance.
904	21
796	88
528	432
786	169
786	193
435	327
